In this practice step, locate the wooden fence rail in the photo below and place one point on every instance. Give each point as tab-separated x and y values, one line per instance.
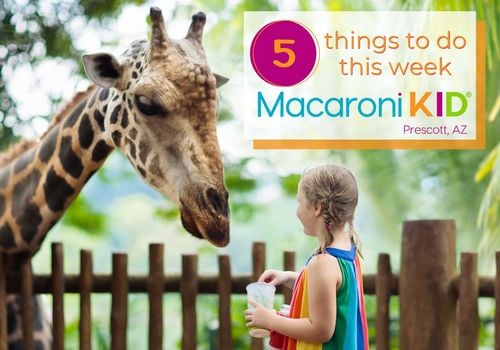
463	290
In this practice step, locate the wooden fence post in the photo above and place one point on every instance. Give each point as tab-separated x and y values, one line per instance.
383	286
58	296
224	336
119	302
27	316
156	283
85	286
189	289
468	294
427	305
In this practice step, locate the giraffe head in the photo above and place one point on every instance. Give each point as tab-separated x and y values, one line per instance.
159	104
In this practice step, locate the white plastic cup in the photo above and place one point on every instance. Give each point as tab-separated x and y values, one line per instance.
262	293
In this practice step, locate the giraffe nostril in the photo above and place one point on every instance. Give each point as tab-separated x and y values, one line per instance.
216	201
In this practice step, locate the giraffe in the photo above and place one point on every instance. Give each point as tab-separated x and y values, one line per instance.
156	103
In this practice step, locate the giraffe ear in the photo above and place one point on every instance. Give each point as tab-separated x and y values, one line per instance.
103	69
220	80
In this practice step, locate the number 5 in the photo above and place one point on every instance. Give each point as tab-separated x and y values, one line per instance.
278	48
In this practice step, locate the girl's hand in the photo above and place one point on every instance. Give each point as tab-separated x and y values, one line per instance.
274	277
259	317
277	277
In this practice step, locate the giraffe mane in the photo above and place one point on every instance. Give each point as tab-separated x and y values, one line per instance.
25	144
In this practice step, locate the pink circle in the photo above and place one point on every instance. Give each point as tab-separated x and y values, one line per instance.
283	53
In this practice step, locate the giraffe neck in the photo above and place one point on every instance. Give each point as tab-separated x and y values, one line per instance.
38	186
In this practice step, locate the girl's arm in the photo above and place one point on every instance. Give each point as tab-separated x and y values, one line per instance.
324	275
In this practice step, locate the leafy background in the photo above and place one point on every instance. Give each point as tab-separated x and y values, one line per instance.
116	211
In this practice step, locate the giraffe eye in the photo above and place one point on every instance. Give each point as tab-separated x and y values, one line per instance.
147	107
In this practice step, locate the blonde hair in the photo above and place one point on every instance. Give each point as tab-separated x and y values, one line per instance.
334	188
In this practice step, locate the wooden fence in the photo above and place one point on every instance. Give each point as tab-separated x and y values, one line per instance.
429	288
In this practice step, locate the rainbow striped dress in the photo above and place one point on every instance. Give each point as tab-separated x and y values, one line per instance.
351	330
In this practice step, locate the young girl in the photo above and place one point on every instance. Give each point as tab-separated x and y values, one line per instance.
327	309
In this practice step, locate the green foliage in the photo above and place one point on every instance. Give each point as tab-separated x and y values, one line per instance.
170	212
81	214
487	165
290	183
58	42
236	182
240	184
241	339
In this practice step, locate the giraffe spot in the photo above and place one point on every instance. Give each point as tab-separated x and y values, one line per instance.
7	241
144	150
28	221
24	191
114	115
173	151
141	171
48	146
4	176
128	85
116	97
138	65
101	151
124	122
99	118
133	133
103	94
73	117
195	160
23	161
129	102
154	167
105	109
117	138
85	132
131	147
56	191
124	97
134	75
69	160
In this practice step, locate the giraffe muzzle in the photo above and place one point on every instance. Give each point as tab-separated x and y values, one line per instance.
205	214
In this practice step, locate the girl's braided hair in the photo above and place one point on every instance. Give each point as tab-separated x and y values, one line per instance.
334	188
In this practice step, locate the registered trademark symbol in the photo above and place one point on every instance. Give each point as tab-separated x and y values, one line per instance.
468	94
